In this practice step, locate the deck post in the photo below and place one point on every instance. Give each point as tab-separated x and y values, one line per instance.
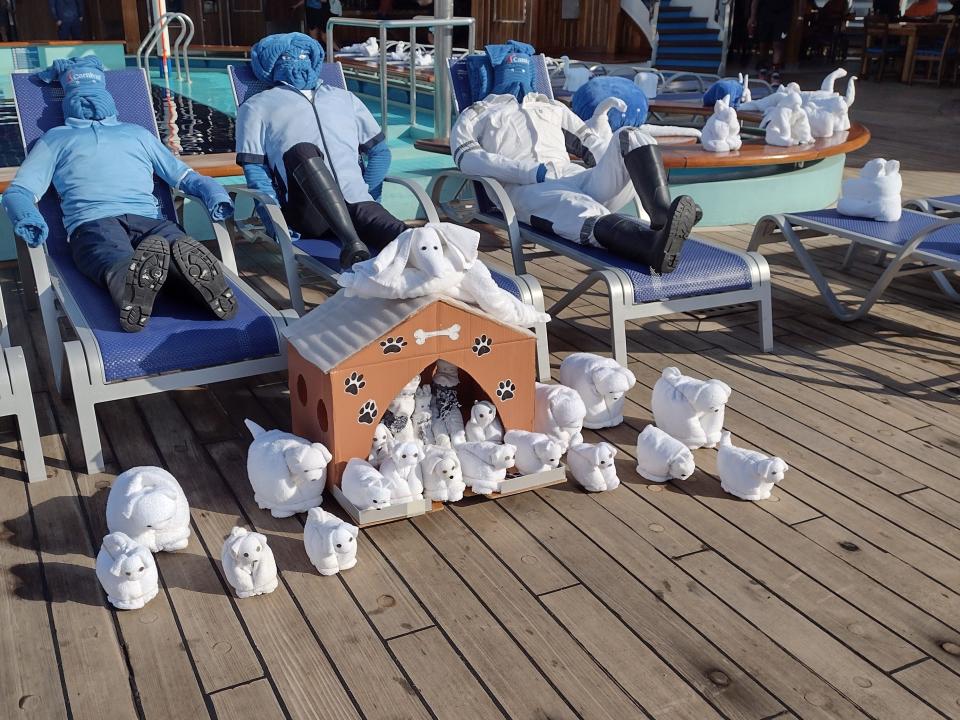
442	50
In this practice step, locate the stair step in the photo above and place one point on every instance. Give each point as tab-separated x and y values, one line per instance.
672	42
693	23
668	36
664	54
692	65
668	50
674	14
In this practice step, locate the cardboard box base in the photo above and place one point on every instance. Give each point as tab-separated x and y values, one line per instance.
522	483
366	518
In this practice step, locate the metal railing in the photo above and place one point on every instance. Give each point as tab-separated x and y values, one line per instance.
654	37
180	45
725	18
441	55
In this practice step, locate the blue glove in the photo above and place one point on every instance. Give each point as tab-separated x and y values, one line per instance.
27	221
258	178
375	170
541	173
211	194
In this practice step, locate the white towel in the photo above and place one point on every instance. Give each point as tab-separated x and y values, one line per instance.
661	458
368	48
647	81
592	466
363	485
248	563
148	505
722	131
484	465
748	474
127	572
875	194
688	409
559	412
602	383
437	259
574	76
536	452
331	543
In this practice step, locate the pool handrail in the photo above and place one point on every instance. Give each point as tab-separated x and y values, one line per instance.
180	46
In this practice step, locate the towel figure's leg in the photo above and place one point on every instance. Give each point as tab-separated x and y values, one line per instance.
199	270
314	188
104	251
375	224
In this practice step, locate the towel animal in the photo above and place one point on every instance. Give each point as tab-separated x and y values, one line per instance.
382	442
748	474
484	465
292	59
592	466
148	505
287	473
85	94
559	412
737	91
602	384
248	563
127	572
574	76
447	425
331	543
688	409
536	452
484	423
437	259
441	475
399	470
823	123
399	414
661	458
647	81
875	194
363	485
722	131
422	418
786	123
815	102
368	48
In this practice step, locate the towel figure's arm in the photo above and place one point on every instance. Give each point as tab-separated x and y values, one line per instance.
374	149
252	157
31	182
177	174
474	160
588	140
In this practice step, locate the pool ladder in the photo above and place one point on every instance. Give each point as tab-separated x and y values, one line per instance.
180	45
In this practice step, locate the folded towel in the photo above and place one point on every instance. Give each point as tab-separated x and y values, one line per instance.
689	409
559	412
536	452
368	48
293	59
362	484
26	219
148	505
441	474
513	71
725	88
875	194
648	82
592	466
602	383
485	464
248	563
85	94
331	543
591	94
746	473
211	193
574	76
661	458
722	130
127	572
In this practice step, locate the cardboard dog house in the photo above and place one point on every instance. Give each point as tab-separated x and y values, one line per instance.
350	357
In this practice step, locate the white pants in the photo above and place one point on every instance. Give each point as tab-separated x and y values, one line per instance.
573	203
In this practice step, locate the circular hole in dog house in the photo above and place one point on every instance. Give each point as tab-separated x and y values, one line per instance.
322	418
302	390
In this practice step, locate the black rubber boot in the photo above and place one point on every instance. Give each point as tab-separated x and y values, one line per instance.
627	237
134	283
321	189
200	270
649	178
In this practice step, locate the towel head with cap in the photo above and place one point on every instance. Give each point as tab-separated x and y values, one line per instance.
292	59
85	94
512	65
591	94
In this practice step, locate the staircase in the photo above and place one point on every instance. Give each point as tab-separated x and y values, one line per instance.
686	42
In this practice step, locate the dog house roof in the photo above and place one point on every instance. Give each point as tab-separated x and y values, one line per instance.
342	326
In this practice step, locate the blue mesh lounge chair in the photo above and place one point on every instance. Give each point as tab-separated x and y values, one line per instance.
708	276
322	255
183	345
917	243
16	398
944	203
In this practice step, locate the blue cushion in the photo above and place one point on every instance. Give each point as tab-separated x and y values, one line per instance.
181	335
589	96
720	89
955	199
945	242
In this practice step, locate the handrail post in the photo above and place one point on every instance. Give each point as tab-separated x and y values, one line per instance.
413	75
442	50
654	36
727	31
383	81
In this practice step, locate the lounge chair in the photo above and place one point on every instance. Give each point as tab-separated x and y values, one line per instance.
321	255
944	203
183	345
918	243
708	276
16	398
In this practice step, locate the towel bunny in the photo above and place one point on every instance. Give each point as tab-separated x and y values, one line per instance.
592	466
331	543
722	131
437	259
602	383
875	194
399	471
148	505
287	473
484	465
688	409
127	572
661	458
441	475
363	485
248	563
559	412
382	442
536	452
748	474
483	423
786	123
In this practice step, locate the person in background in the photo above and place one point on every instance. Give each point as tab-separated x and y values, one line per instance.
68	14
316	14
769	25
314	150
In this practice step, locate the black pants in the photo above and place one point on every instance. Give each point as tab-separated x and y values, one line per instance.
98	246
375	225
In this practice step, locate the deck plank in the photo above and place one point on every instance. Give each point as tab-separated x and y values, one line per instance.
935	684
255	699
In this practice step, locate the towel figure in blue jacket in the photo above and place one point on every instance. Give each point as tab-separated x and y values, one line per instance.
103	170
314	150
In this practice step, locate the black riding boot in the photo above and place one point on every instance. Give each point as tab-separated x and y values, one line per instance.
135	282
628	237
200	271
649	178
322	191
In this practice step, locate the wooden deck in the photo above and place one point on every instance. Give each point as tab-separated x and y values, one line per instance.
837	598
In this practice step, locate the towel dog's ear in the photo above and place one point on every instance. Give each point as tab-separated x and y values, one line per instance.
461	242
117	568
389	264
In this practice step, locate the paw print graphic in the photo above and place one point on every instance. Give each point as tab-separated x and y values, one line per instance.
353	384
368	411
506	390
392	345
481	345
